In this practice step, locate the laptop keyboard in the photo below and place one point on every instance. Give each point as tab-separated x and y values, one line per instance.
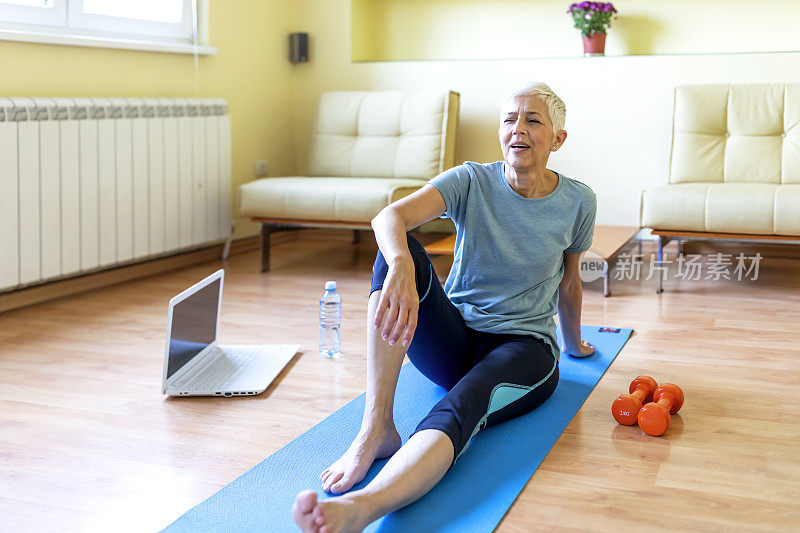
224	369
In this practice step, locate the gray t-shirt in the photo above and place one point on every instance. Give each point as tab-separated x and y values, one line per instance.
509	249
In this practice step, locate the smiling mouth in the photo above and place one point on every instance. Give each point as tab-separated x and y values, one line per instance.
518	147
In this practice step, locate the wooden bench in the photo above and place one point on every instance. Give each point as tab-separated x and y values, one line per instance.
666	236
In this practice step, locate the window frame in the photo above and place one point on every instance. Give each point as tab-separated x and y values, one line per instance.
182	31
106	31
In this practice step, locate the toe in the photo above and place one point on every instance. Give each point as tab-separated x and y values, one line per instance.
302	509
306	501
318	515
343	485
332	479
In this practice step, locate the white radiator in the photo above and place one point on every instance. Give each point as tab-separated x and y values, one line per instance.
91	183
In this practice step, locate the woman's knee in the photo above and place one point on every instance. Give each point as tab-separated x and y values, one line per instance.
536	396
421	267
414	246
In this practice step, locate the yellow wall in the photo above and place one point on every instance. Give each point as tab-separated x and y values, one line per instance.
504	29
250	71
618	108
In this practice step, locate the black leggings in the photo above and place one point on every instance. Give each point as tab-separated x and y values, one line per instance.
491	377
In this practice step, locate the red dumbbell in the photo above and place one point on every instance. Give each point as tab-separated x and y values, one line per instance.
654	417
626	407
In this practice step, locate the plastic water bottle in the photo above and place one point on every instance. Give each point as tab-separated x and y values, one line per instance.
330	322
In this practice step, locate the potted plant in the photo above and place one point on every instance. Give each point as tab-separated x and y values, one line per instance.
593	19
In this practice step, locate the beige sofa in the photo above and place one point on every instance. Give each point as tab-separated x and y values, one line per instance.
368	149
734	168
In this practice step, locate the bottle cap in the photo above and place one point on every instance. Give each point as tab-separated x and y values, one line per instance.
330	285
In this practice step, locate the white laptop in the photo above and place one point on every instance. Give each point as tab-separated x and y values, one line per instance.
195	365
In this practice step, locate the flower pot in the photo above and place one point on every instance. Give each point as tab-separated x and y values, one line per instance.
594	44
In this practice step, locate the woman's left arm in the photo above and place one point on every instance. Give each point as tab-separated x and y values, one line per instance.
570	297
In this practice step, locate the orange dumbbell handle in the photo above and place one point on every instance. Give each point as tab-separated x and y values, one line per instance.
646	384
641	393
654	418
673	394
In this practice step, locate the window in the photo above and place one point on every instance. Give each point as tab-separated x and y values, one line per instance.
43	12
144	21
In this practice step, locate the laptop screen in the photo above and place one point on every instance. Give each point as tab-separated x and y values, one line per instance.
194	326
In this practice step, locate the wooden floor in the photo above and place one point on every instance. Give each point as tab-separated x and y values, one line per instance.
87	442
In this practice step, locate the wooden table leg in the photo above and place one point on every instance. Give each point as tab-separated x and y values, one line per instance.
266	230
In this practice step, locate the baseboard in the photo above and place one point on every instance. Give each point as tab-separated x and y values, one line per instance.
52	290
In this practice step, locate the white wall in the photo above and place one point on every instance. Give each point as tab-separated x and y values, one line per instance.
619	109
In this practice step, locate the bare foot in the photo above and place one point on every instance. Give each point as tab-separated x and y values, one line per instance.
353	465
336	515
303	506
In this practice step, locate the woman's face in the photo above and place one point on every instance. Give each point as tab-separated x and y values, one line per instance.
526	133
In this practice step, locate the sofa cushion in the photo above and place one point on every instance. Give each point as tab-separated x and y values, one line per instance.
382	134
697	157
753	159
740	208
787	209
332	199
681	206
790	157
756	109
701	109
749	208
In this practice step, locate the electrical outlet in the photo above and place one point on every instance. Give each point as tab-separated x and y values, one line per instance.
260	167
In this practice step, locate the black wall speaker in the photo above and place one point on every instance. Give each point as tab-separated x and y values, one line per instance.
298	47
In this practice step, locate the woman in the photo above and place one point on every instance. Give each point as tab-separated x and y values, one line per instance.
488	337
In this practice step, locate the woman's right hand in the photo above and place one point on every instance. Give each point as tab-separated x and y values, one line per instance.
399	303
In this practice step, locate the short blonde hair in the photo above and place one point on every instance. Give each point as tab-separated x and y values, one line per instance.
555	105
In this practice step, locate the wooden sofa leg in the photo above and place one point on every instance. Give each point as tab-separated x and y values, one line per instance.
266	230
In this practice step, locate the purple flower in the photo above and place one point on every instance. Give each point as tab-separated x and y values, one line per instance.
591	8
590	17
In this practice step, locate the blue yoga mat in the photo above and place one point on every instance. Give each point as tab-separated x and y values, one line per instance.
474	495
